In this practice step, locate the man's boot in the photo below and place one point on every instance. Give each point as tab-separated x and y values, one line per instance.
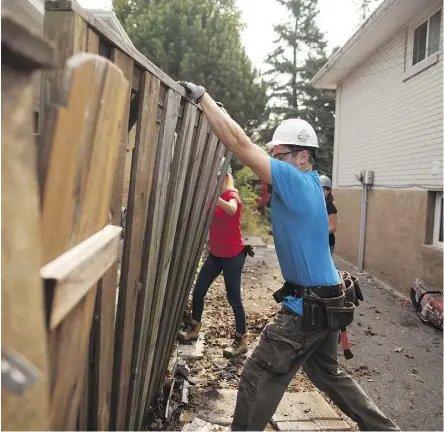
238	347
191	333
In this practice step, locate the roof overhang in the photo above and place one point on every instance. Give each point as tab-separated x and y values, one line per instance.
386	21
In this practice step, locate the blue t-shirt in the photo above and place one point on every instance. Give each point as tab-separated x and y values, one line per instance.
300	229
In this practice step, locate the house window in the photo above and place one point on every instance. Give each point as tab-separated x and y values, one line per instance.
438	220
426	38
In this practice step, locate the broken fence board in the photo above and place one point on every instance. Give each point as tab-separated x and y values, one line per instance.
142	169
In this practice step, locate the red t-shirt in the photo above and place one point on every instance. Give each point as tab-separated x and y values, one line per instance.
225	234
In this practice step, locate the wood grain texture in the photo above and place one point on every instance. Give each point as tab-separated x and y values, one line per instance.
76	200
174	200
156	238
61	6
77	270
142	170
104	325
23	314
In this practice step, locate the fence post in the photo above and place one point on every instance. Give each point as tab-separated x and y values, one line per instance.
24	345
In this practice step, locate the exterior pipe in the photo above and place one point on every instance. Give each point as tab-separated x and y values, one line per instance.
363	226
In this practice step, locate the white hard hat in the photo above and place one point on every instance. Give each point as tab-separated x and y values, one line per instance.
294	132
325	181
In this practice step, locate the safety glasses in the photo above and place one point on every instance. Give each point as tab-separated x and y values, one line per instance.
284	156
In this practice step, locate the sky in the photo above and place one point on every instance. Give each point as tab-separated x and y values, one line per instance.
338	19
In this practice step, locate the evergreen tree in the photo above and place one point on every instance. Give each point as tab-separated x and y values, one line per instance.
299	54
199	41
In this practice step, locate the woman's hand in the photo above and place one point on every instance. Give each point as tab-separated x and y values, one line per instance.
229	207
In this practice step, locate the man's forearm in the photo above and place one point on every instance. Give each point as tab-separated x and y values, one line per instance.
225	128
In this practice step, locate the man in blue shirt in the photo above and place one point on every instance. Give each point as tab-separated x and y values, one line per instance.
298	336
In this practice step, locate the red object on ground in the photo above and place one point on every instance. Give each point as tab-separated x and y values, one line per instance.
225	234
428	304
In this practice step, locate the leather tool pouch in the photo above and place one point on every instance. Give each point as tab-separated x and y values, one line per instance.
327	313
288	289
314	314
340	317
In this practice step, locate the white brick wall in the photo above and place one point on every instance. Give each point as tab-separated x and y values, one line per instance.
388	124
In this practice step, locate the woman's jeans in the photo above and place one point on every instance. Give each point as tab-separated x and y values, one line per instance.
232	270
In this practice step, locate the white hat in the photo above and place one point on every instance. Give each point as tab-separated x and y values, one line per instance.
325	181
294	132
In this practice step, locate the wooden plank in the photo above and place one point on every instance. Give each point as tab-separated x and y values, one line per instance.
82	195
304	406
59	6
92	41
154	239
184	142
23	314
159	258
313	425
198	141
66	31
137	74
142	169
103	347
26	13
73	273
183	243
181	296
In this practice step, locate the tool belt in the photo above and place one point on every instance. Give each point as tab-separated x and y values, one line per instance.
324	306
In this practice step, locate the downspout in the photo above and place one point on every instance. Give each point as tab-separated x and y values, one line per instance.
367	182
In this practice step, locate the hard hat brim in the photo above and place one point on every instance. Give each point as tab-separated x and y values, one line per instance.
273	143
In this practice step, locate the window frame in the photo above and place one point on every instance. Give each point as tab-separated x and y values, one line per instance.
411	69
427	38
437	220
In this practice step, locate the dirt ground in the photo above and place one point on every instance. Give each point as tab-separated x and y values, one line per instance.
397	359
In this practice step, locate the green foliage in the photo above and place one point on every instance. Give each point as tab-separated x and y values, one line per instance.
299	54
199	41
252	221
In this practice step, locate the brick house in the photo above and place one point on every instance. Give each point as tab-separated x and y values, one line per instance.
389	120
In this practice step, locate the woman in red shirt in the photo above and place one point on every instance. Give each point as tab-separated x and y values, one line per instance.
227	255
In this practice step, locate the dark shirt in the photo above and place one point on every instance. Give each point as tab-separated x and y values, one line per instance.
331	209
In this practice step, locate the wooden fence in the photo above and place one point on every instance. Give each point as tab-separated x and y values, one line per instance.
100	364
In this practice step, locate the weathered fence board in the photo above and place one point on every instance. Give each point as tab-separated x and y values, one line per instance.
153	235
103	331
144	159
23	315
107	361
82	193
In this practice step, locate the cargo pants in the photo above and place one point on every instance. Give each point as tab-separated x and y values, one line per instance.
284	347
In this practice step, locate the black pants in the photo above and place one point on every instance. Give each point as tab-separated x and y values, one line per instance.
232	269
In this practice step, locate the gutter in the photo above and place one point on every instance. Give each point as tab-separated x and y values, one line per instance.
368	24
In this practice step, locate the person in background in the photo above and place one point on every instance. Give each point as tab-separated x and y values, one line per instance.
226	254
331	210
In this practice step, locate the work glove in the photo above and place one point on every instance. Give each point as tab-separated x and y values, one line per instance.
193	91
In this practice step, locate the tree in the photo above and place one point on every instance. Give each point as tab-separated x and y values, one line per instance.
199	40
299	54
365	7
